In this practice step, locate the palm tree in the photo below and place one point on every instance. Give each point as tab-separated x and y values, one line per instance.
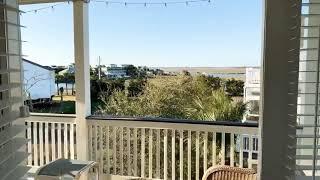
217	107
72	80
58	80
67	79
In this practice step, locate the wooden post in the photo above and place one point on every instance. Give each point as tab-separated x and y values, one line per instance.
279	89
82	75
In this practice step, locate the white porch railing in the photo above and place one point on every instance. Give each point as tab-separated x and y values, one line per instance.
51	136
150	148
165	149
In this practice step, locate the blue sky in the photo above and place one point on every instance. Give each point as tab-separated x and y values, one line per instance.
222	33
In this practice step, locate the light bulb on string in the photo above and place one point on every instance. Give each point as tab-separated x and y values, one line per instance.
109	2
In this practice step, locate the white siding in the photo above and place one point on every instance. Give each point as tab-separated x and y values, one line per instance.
12	141
39	82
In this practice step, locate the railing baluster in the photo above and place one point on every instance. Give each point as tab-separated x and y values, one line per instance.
122	155
59	141
46	142
143	148
128	153
101	149
214	148
165	154
189	155
250	153
181	155
96	137
29	145
53	141
90	142
135	151
35	144
173	155
71	141
107	150
232	150
65	141
197	154
223	148
121	150
114	150
158	154
205	151
241	151
41	143
150	152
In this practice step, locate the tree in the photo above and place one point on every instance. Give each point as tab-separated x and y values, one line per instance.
182	97
131	71
217	106
186	73
29	83
135	86
72	81
58	80
142	71
67	78
93	73
234	87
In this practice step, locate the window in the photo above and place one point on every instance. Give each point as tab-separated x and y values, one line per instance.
255	144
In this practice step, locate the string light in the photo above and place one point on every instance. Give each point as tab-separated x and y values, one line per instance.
45	8
165	4
109	2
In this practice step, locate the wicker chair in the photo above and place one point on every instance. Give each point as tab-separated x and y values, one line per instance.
229	173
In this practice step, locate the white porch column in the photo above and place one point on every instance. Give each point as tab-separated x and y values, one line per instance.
82	75
280	66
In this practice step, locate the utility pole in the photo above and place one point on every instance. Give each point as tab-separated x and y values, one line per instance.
99	67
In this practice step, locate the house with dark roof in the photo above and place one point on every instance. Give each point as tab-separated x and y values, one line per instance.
39	81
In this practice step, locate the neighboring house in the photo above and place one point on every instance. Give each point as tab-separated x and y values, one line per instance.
114	71
252	93
70	70
252	98
57	69
39	81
